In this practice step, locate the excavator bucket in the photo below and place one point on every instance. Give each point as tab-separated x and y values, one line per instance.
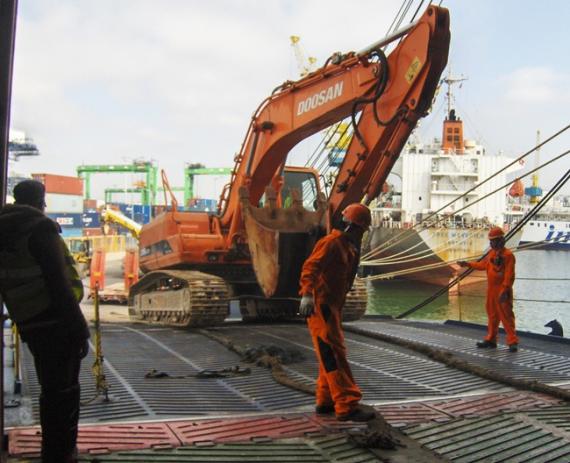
280	239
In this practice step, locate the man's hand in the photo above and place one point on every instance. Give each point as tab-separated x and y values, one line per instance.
462	263
504	296
307	306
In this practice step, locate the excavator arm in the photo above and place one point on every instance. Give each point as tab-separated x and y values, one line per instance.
391	94
404	95
270	215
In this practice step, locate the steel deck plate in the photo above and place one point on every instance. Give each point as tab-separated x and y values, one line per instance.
544	361
106	438
461	416
384	371
508	437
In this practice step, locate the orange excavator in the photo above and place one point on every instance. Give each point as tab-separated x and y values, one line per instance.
270	215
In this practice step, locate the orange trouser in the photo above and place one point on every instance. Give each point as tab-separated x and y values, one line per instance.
335	384
500	312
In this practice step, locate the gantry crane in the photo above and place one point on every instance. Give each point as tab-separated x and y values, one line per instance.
305	65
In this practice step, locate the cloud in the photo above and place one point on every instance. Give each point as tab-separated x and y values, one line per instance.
537	85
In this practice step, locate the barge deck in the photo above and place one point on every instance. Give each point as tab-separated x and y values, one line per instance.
439	413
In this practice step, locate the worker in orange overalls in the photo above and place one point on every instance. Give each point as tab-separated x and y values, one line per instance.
500	266
326	277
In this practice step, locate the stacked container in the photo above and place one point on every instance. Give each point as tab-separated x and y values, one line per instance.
91	218
64	201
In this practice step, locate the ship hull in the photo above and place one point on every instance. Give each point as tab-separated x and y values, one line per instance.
553	235
421	255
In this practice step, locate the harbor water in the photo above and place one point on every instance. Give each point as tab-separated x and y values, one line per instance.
541	291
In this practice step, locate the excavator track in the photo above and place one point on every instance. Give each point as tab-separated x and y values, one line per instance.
179	298
270	310
356	301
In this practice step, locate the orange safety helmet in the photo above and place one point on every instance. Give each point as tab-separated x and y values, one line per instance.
357	214
496	232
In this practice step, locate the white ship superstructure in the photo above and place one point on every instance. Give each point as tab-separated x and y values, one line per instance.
432	177
412	241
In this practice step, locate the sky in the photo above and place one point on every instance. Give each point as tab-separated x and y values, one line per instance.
176	81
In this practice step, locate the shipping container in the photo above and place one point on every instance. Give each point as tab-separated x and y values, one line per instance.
71	232
92	232
60	184
141	213
90	220
56	202
66	219
89	204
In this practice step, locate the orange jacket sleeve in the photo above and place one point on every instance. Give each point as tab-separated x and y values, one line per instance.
314	265
479	265
509	278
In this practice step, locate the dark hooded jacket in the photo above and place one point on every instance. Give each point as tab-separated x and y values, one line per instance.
63	318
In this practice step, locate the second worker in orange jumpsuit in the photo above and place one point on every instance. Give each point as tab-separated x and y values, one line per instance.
327	276
500	266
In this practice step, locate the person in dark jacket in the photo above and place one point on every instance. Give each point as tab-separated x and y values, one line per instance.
41	290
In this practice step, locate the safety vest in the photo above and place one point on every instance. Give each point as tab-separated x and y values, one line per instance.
22	284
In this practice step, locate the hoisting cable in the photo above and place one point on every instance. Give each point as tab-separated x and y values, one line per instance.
312	161
320	162
517	160
314	158
405	256
509	235
436	265
398	14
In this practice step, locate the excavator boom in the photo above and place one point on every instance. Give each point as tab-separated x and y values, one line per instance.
270	215
392	94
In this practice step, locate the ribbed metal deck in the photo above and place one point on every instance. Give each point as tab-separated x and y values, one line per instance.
509	437
451	414
384	371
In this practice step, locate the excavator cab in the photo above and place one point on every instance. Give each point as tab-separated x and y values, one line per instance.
304	181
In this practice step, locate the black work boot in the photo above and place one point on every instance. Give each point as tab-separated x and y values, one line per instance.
358	413
324	409
513	347
486	344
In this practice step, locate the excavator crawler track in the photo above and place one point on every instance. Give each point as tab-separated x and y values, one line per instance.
179	298
356	300
273	310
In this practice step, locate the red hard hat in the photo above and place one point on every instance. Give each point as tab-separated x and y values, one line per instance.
496	232
357	214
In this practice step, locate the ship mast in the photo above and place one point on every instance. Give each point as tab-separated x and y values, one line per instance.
451	80
452	139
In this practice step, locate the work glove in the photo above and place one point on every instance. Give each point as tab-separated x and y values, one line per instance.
504	296
462	263
307	306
